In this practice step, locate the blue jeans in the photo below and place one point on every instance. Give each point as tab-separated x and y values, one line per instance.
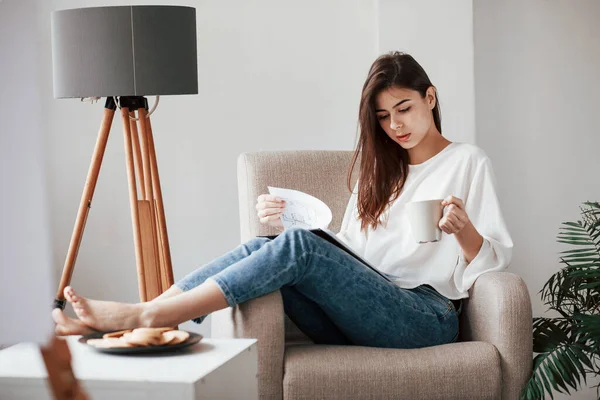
328	294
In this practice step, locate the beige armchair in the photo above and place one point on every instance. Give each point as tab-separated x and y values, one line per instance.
492	358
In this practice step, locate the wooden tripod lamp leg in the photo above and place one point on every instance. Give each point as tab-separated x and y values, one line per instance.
148	220
137	155
86	202
137	236
166	267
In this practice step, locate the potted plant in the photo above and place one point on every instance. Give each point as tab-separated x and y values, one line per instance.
568	345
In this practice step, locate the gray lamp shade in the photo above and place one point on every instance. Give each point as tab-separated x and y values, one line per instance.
124	51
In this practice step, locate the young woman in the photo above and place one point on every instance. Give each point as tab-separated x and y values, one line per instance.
329	295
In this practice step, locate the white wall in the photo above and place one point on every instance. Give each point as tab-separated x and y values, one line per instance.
439	35
537	85
26	284
273	75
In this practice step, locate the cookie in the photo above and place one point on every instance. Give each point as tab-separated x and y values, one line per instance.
140	337
115	334
109	343
144	337
152	330
175	337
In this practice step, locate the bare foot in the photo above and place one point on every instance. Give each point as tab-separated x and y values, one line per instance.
105	315
69	326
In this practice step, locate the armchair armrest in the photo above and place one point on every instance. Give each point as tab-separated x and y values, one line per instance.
261	318
498	311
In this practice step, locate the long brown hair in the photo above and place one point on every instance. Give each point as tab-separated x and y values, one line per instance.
383	163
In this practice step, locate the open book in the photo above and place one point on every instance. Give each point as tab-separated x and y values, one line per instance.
306	211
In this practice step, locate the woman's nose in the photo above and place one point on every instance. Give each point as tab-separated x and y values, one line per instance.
395	125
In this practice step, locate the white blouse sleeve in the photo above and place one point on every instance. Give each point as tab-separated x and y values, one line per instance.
348	213
483	208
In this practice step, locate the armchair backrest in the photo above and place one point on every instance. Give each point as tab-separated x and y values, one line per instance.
320	173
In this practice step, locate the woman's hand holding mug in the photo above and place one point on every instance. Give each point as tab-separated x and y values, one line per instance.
428	220
455	218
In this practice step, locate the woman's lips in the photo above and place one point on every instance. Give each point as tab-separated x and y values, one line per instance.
404	138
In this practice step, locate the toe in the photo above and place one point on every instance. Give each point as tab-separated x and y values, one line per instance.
67	326
71	295
68	292
76	298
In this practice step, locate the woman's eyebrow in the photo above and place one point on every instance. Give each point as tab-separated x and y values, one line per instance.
397	104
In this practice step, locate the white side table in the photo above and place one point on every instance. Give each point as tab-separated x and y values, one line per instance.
211	369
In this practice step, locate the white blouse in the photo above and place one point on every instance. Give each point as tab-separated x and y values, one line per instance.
464	171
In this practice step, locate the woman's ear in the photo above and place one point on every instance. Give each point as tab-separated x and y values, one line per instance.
431	96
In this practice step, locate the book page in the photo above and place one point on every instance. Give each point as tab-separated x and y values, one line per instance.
302	210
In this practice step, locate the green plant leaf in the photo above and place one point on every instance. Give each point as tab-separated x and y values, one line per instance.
573	241
546	375
593	204
574	224
547	336
555	376
534	388
568	364
581	258
574	232
564	372
550	376
579	251
575	360
590	285
582	235
582	357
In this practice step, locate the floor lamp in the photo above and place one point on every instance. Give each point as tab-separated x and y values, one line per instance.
124	53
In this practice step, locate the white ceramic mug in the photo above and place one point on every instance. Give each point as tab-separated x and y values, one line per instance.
424	218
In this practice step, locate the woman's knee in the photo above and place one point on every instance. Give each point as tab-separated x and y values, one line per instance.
256	243
295	231
295	237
